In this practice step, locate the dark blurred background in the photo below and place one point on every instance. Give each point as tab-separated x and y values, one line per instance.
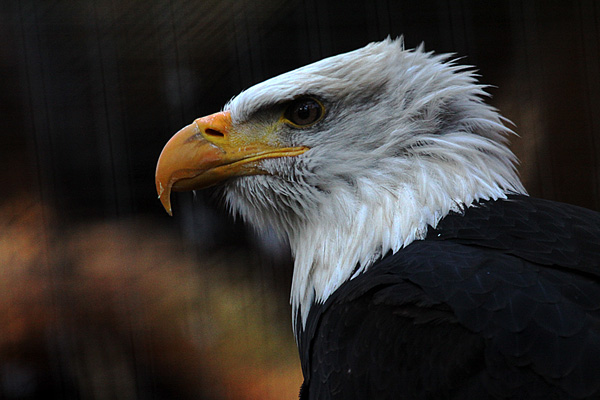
102	295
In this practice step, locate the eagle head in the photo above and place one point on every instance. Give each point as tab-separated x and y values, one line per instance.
349	157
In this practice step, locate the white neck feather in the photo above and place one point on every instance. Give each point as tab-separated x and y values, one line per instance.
385	212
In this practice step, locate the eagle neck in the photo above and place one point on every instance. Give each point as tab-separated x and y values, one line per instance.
350	233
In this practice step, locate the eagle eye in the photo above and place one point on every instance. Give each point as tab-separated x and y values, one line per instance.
303	112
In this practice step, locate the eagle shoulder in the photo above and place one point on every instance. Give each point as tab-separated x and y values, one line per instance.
501	300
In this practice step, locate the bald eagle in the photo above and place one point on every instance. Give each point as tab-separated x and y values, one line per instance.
422	268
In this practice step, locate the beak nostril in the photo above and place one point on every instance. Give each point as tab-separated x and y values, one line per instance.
214	133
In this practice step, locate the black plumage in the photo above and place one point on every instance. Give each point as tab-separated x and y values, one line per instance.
499	301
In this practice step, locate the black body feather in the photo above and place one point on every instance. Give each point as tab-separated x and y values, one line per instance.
500	301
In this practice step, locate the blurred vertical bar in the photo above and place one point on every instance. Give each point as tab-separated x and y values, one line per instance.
589	32
537	174
107	109
34	99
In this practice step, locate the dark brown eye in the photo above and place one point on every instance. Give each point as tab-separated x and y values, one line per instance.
304	111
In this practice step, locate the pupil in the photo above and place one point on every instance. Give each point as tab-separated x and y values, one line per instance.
304	112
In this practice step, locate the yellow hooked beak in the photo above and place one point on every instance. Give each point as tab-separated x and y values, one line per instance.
207	152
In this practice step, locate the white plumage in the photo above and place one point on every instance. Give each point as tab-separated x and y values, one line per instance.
405	139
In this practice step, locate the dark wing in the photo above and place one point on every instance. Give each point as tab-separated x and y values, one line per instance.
502	301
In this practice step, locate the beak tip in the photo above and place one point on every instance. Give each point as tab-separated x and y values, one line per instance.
168	208
164	196
166	203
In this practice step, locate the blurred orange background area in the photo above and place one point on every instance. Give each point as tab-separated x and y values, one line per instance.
120	310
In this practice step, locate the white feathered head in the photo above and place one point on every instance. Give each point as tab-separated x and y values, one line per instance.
349	157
